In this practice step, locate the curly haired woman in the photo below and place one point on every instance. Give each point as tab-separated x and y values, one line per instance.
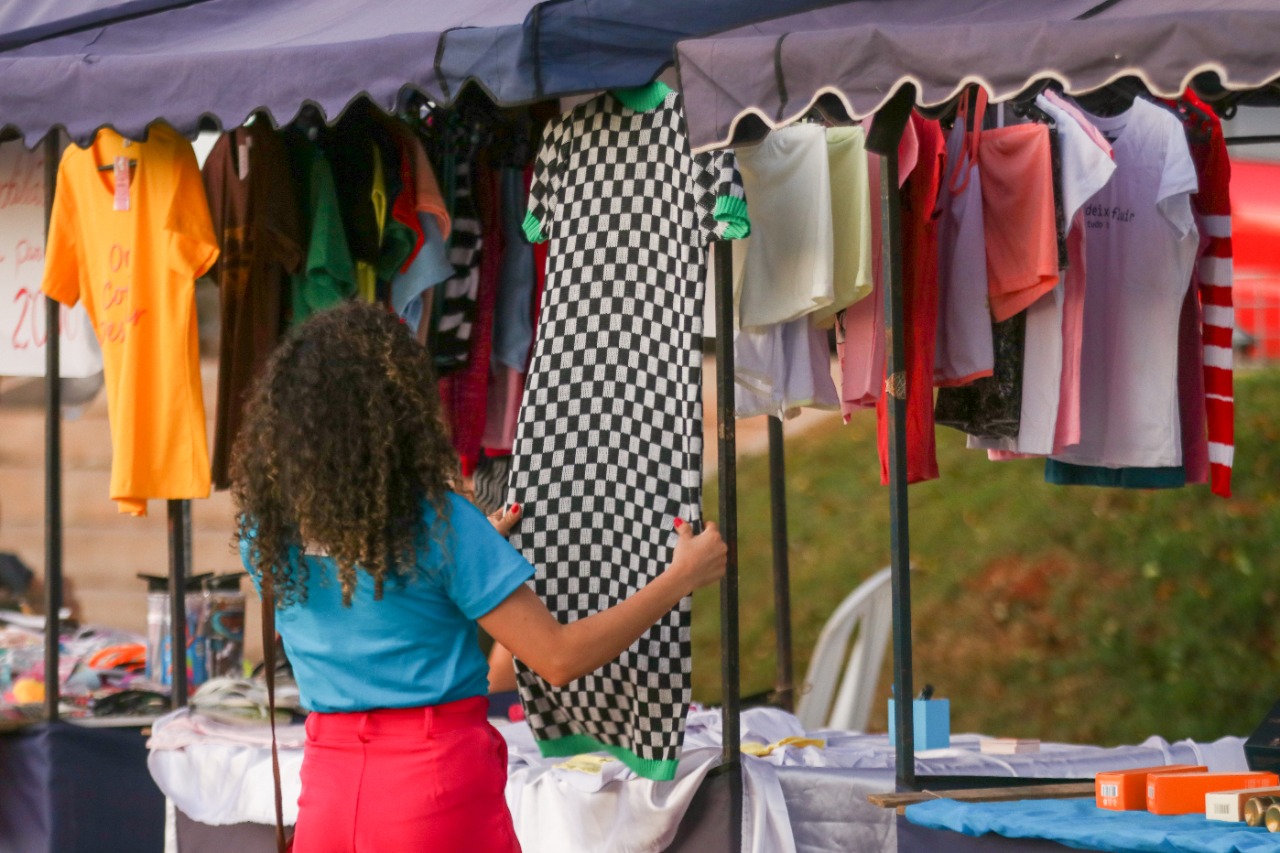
342	480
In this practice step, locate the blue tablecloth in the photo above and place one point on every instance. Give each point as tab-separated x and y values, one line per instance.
1081	824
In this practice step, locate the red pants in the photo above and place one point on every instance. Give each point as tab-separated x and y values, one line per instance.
405	780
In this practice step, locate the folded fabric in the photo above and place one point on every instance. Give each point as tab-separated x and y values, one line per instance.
1080	823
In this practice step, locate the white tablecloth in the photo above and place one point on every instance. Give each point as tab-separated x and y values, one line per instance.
798	799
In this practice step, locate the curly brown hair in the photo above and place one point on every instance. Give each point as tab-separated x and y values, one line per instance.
341	444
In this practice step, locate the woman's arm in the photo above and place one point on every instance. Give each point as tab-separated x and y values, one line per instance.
561	653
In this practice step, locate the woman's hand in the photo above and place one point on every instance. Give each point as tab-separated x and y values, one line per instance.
561	653
699	560
505	519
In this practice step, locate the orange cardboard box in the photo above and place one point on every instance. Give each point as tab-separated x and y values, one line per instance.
1126	790
1184	793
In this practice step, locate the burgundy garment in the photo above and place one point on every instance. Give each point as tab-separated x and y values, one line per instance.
920	306
506	389
465	392
1191	401
256	218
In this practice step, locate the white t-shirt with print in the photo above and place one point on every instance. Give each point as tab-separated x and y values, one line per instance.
1141	243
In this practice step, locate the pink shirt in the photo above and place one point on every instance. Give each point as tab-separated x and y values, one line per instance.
860	342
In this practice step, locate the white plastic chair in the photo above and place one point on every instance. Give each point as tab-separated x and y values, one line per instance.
864	619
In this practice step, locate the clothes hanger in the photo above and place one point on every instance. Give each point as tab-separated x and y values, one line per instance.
310	122
1114	98
1024	104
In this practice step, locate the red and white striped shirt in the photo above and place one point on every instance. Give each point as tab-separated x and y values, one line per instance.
1212	206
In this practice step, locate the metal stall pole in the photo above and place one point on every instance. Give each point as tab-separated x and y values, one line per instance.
728	472
179	558
883	140
52	454
784	679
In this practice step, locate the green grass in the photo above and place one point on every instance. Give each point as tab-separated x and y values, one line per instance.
1074	614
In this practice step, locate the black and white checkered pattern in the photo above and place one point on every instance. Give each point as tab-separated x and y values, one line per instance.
608	451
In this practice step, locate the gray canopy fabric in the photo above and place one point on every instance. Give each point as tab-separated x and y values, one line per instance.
855	55
32	20
83	64
228	58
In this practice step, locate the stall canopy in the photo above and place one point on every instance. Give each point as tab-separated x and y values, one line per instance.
33	20
850	58
129	63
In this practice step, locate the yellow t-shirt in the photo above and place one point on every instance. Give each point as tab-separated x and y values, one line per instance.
135	271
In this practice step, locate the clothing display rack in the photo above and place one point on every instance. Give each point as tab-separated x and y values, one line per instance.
892	117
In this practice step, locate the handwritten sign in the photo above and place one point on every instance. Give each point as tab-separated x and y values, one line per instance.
23	326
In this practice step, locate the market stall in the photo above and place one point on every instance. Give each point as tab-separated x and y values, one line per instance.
216	79
852	60
206	59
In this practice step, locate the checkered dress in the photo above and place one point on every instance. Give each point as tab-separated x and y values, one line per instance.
608	451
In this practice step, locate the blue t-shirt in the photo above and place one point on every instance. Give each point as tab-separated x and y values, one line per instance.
418	645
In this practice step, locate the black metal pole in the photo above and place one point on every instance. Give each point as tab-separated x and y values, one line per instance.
784	682
52	456
728	472
179	527
885	134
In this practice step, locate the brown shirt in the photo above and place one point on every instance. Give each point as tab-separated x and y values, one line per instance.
256	219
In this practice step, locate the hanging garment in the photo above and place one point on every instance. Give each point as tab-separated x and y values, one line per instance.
513	324
255	216
609	447
506	389
851	195
1074	284
455	304
428	269
328	273
784	270
1141	245
1211	317
431	264
465	392
990	407
1015	165
400	240
349	154
1084	170
133	256
860	328
781	369
965	351
1197	337
404	209
919	307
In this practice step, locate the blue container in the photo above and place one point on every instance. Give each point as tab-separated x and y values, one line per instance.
932	721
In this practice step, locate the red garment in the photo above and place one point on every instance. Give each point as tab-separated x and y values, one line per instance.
465	392
405	779
920	305
1212	278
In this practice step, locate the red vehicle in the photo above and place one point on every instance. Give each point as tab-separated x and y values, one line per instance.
1255	224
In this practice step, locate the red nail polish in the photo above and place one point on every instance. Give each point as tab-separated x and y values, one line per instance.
515	507
678	522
